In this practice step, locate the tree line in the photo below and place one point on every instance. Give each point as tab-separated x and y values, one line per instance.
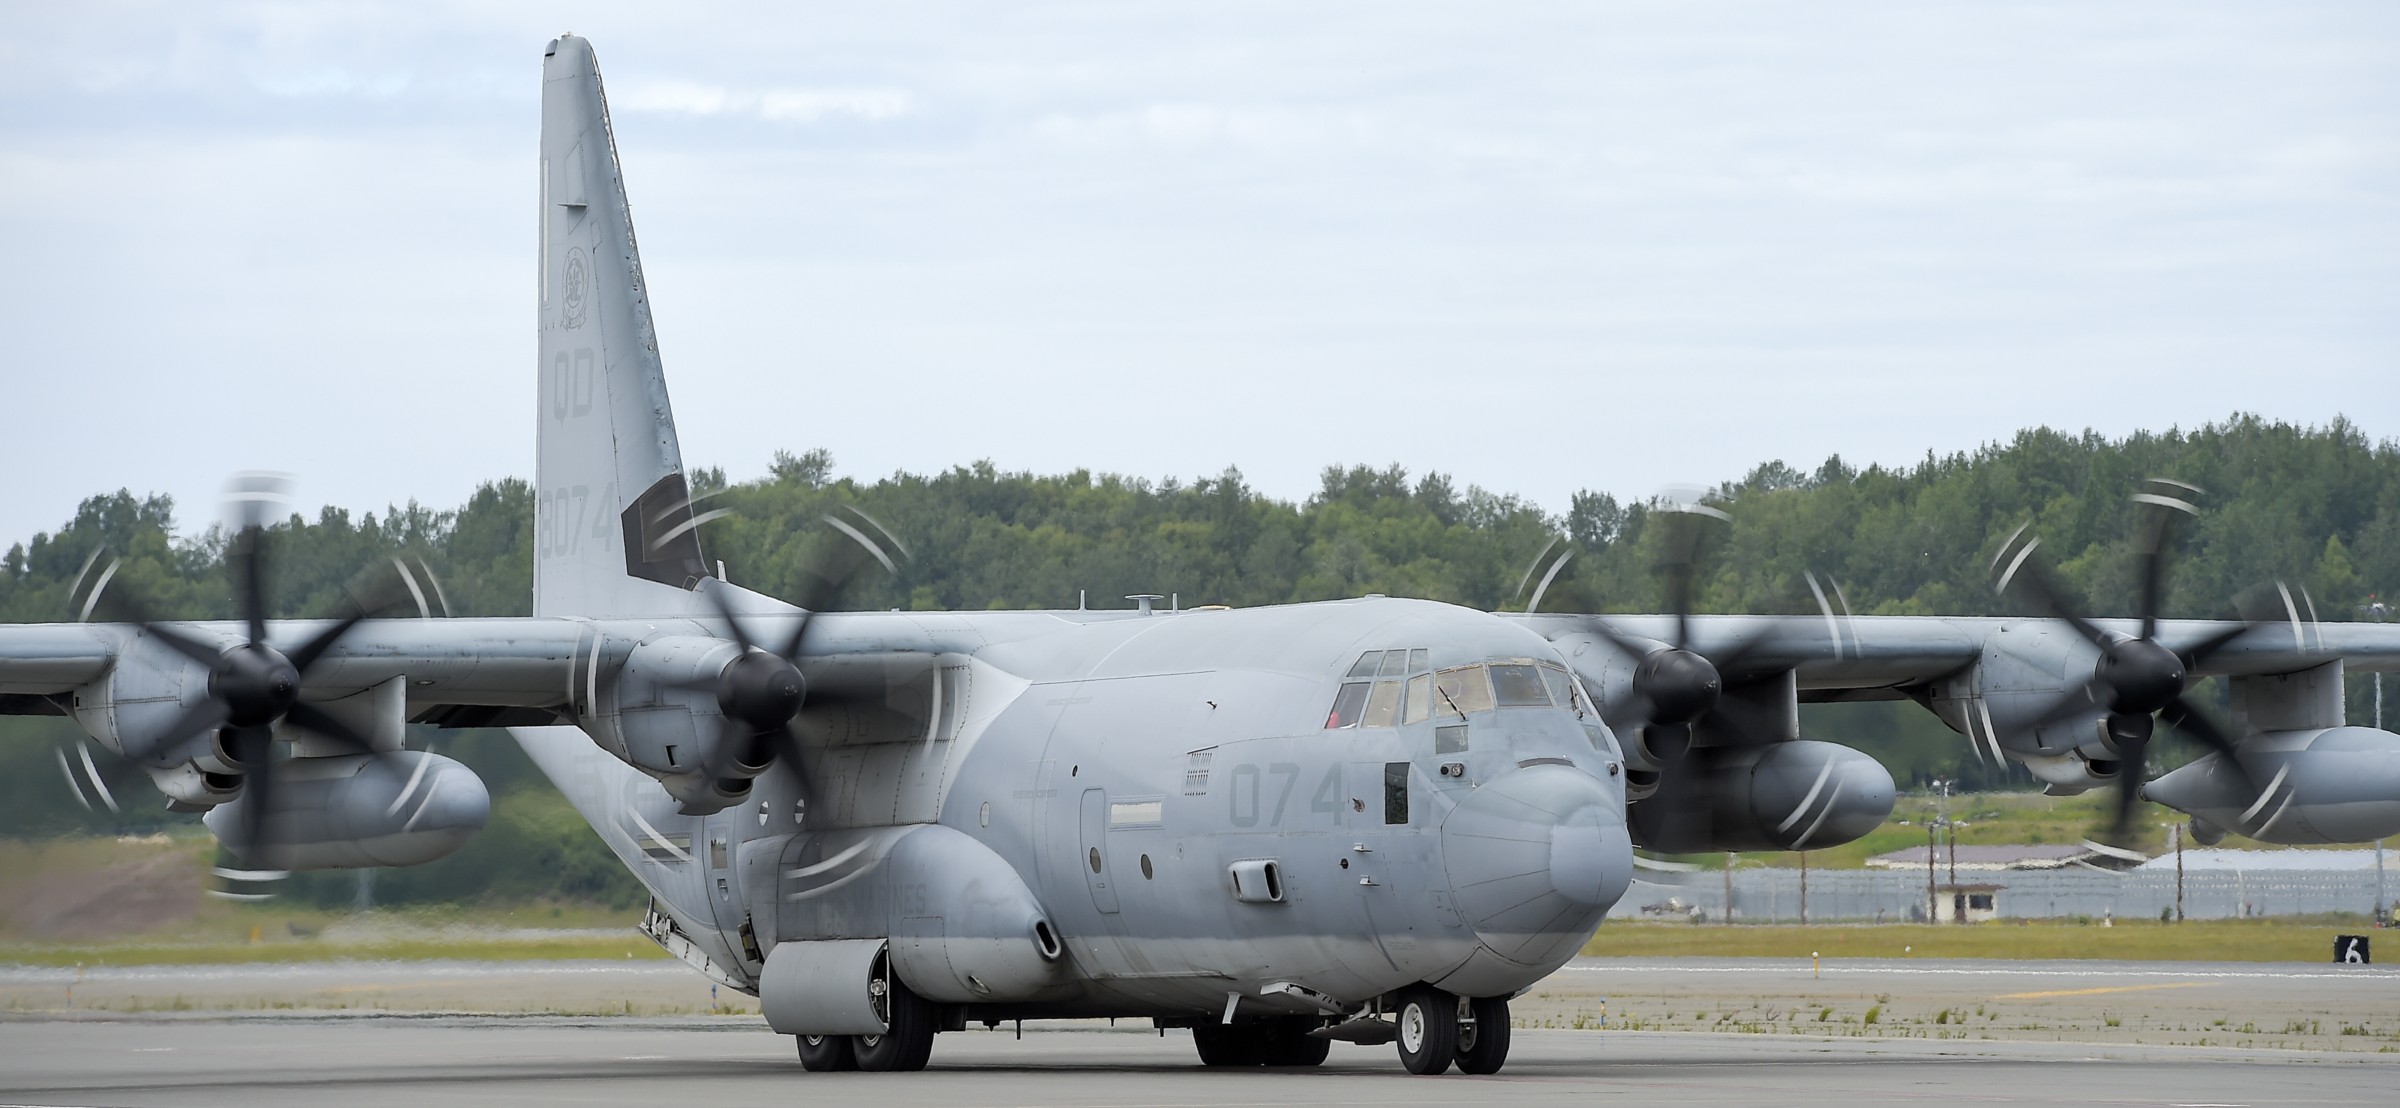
2316	506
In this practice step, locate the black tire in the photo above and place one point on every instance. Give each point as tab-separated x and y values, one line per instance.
909	1042
1483	1048
826	1053
1427	1020
1229	1045
1288	1043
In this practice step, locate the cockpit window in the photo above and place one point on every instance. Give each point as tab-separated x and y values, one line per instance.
1462	691
1420	698
1561	690
1383	705
1519	685
1390	688
1348	705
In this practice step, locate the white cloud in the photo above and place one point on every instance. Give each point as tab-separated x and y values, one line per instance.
775	105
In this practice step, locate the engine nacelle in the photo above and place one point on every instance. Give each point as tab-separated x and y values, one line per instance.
659	714
405	808
140	699
1998	704
1781	796
2320	785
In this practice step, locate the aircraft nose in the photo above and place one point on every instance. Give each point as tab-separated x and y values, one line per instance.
1534	858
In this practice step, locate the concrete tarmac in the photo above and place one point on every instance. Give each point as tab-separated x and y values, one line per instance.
1686	1031
364	1061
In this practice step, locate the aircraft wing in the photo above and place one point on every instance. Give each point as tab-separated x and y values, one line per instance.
1859	657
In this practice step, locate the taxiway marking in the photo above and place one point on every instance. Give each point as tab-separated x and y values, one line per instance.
2096	992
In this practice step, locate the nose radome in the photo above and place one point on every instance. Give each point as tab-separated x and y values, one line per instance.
1589	864
1535	857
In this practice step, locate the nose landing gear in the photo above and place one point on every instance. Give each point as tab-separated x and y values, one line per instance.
1437	1029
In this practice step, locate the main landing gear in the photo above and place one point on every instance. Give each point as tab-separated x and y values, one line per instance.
904	1047
1436	1030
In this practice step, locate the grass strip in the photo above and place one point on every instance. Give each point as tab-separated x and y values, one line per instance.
630	946
2191	941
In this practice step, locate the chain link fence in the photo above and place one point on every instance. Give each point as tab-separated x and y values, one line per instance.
1892	896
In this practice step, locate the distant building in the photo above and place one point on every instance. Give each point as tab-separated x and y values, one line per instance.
2225	860
1973	903
2027	856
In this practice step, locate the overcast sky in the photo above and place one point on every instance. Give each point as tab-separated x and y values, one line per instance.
1539	247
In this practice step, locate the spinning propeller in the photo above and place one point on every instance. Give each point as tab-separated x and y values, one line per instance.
1681	687
761	691
252	685
2138	680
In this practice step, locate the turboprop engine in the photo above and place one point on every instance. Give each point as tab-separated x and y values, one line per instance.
1793	795
399	808
659	715
2327	785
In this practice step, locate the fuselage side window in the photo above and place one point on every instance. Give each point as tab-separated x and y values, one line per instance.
1383	705
1519	685
1420	698
1348	705
1462	691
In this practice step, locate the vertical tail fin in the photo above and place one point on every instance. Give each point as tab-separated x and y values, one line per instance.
613	523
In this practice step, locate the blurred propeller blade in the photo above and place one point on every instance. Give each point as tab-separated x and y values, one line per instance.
2139	681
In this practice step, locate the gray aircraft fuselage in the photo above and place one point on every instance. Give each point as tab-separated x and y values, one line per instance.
1124	765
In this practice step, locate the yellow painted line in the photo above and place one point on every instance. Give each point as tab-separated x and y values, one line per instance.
2097	992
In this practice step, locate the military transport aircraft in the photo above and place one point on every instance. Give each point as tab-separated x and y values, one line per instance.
1371	820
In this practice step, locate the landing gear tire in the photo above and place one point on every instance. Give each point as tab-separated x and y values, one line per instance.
1229	1045
1288	1043
908	1042
1428	1030
826	1053
1483	1045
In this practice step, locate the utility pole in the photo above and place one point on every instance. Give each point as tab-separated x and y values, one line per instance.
1804	891
2382	904
1933	895
1730	859
2175	830
1941	819
1950	827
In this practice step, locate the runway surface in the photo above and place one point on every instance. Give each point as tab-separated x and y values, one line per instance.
364	1061
1686	1031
